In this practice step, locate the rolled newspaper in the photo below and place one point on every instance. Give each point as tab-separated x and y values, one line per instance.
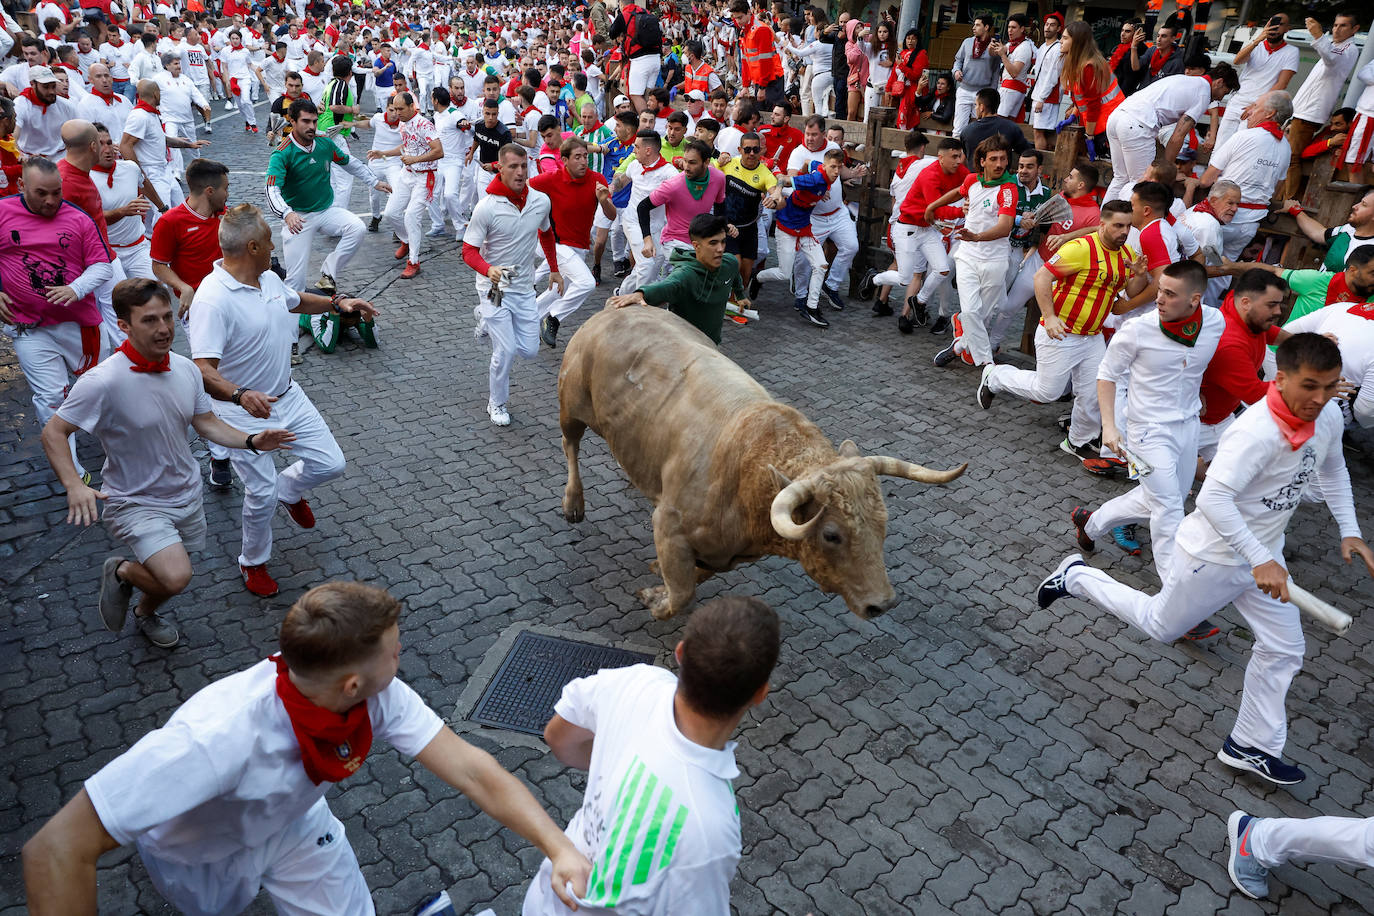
1329	617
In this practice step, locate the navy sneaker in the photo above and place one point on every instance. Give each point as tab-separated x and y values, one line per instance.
946	356
1256	761
940	325
1251	877
1079	516
1055	587
834	296
438	905
221	478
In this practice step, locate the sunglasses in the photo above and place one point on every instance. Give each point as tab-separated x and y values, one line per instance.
750	149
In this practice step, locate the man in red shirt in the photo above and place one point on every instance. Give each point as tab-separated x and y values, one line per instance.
81	151
186	237
779	136
575	192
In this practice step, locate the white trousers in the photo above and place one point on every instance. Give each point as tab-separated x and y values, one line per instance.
296	247
318	460
135	259
837	227
308	868
1133	149
167	187
186	130
646	270
49	356
339	180
578	283
982	289
1171	449
422	96
448	195
1019	292
1195	590
911	245
1059	363
1209	437
244	101
405	212
513	329
1275	841
788	245
822	86
476	186
382	170
963	108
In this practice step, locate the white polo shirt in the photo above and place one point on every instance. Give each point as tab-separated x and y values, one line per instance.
659	819
179	94
117	188
140	419
1165	101
249	329
112	112
1254	159
1316	97
38	128
1261	71
508	236
224	775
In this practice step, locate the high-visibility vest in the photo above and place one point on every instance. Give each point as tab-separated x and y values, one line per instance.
761	64
698	77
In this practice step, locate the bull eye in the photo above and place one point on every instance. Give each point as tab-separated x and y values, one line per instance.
832	536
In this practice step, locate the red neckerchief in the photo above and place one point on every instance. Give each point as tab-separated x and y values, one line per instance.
1274	48
109	179
1157	62
423	46
144	106
1206	207
981	47
29	94
657	165
1272	127
141	363
498	187
54	37
1295	431
1118	55
313	72
526	112
1013	45
1363	310
332	744
280	60
1185	330
116	43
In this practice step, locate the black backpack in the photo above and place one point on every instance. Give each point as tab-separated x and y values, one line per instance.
642	33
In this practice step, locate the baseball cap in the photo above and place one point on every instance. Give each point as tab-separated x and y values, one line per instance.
41	75
619	100
697	95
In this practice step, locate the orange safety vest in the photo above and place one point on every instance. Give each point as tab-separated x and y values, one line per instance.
760	56
697	78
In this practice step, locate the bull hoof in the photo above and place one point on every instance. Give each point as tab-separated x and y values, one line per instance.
656	600
573	510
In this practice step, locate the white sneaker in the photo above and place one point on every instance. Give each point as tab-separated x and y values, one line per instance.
500	416
208	128
228	104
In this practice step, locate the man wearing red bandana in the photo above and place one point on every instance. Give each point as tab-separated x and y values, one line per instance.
228	798
419	153
1229	550
138	403
1256	159
1270	63
39	115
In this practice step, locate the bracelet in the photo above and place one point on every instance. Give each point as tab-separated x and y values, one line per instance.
248	444
238	393
334	301
1295	210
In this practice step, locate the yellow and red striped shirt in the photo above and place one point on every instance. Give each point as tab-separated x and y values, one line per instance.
1088	276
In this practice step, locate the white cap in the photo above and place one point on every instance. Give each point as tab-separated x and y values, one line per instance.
41	75
620	100
697	95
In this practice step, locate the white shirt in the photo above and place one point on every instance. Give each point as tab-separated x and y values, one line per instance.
249	329
986	205
193	62
312	84
659	819
151	148
1265	478
1047	67
728	139
455	141
1316	97
140	419
84	61
235	62
1024	54
1254	159
224	775
38	128
112	114
116	189
385	136
1365	104
509	237
1164	376
1206	231
1168	100
144	66
1353	327
118	58
179	93
1261	72
901	184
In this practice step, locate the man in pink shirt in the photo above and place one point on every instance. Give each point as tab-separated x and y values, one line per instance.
52	260
699	189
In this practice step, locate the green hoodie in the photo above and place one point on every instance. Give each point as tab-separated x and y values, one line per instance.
696	294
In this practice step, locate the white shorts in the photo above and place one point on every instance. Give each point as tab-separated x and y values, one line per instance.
643	73
602	221
149	529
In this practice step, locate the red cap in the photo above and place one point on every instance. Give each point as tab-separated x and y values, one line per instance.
1057	16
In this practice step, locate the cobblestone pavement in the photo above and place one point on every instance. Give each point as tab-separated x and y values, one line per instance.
966	753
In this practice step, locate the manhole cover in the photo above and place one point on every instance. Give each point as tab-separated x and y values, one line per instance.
531	677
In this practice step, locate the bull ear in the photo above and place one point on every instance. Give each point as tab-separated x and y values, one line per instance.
848	449
779	478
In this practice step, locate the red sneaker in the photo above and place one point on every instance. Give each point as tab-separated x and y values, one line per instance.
402	251
257	581
300	513
412	270
253	128
958	326
1106	467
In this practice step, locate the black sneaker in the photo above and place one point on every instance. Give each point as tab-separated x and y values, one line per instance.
1081	452
548	331
622	269
940	325
881	308
904	324
596	273
1055	585
296	358
1240	757
919	316
946	356
1079	516
1063	422
814	316
375	225
834	296
985	394
754	286
866	285
114	595
220	476
1204	630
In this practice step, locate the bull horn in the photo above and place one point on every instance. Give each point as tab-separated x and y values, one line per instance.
789	498
896	467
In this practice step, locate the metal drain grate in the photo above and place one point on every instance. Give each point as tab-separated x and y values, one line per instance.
531	677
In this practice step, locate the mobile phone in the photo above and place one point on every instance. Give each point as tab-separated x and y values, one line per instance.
1275	20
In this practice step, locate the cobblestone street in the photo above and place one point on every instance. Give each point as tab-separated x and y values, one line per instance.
965	753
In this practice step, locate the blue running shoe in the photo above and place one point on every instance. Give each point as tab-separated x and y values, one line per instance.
1054	587
1256	761
1251	877
1124	535
438	905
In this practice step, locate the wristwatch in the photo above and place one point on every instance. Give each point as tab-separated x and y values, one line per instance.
238	393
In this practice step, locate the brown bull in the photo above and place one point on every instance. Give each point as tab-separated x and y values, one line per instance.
734	475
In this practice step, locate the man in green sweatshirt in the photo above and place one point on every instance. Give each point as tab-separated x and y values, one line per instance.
702	282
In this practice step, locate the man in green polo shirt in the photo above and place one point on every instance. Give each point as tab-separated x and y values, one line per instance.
1318	288
300	193
337	111
702	282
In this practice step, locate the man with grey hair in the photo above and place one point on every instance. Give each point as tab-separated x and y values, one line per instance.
1256	158
243	323
179	94
1205	222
